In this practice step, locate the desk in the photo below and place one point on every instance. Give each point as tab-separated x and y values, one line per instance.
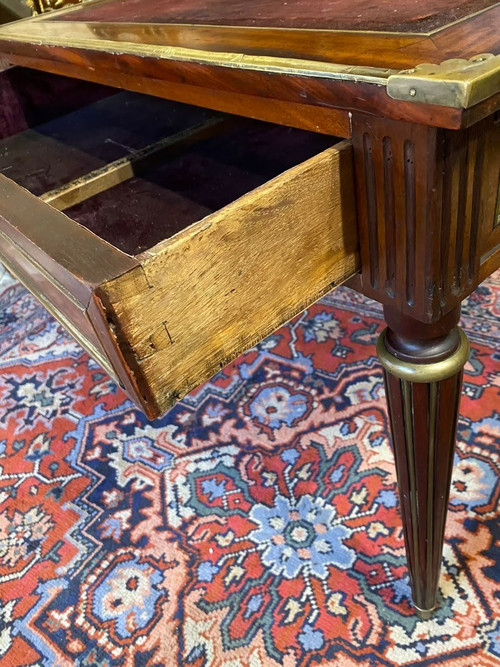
413	87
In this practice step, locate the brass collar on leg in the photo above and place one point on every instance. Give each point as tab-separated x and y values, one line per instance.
433	372
424	614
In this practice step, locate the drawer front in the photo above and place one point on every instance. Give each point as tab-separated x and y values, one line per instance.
58	301
61	263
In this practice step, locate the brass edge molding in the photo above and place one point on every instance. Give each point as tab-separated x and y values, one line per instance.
223	27
240	61
457	83
425	373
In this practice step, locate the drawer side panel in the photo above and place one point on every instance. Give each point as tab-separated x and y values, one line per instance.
213	291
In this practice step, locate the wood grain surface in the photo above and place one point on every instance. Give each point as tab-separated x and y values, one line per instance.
202	298
78	259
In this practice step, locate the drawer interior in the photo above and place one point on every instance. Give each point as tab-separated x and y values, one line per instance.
136	170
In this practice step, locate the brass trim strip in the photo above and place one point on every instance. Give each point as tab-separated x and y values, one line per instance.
434	397
424	614
434	372
409	421
239	61
456	83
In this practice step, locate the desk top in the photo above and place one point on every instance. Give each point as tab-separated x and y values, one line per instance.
425	61
388	15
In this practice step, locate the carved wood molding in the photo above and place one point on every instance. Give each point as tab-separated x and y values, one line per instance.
426	205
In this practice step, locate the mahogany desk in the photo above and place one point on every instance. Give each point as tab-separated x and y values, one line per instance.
164	302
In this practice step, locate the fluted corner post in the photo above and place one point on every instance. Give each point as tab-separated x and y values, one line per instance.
423	365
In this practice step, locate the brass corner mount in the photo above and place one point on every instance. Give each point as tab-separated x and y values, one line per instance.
457	83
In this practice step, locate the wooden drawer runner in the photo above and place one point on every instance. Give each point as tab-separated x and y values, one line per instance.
169	239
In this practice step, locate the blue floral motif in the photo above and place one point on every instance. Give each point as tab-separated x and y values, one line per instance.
275	406
112	527
494	637
311	639
213	489
206	571
127	596
473	483
321	327
387	498
301	535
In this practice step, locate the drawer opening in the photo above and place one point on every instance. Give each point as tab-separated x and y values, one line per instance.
48	155
175	188
136	170
29	98
169	239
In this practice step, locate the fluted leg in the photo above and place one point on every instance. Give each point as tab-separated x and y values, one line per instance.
423	374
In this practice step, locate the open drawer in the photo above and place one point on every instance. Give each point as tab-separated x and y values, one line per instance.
168	239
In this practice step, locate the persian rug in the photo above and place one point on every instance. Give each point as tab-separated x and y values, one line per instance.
256	525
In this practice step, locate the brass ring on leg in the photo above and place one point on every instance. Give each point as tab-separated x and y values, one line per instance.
426	372
424	614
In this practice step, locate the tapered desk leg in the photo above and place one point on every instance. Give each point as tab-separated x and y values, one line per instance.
423	374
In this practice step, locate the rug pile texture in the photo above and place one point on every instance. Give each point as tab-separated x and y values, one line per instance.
255	525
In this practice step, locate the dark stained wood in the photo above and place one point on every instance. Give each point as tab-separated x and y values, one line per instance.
481	111
424	420
428	204
426	216
60	303
398	50
488	241
178	80
334	122
425	197
134	385
391	15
